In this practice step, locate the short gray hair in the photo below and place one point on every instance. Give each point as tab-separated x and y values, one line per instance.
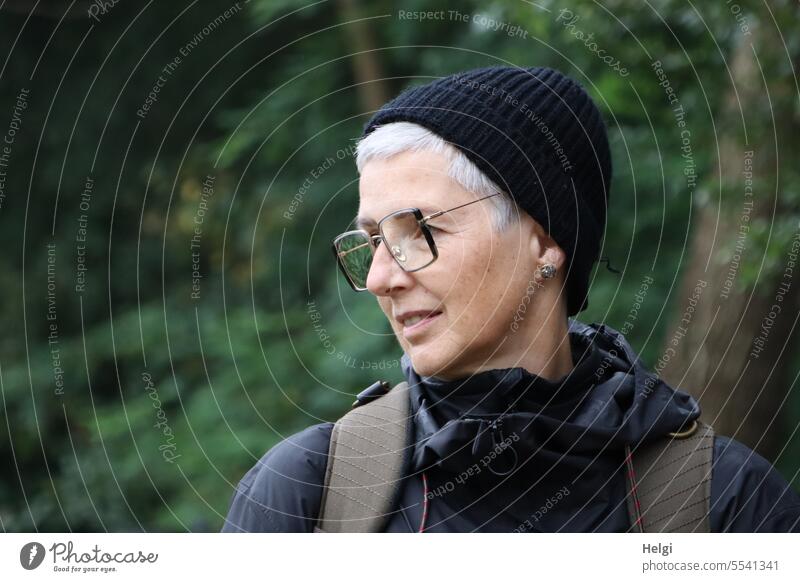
402	136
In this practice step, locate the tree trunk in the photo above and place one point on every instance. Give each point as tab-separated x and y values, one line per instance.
735	356
366	65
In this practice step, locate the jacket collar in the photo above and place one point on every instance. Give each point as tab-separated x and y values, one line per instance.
607	400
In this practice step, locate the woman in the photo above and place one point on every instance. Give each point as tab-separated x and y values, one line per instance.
483	200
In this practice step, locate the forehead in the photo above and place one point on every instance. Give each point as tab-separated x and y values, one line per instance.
407	180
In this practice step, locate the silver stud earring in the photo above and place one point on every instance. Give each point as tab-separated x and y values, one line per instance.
548	271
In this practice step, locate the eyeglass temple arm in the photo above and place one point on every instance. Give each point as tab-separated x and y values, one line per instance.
361	246
435	214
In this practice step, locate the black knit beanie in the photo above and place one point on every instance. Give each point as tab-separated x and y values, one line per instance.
538	135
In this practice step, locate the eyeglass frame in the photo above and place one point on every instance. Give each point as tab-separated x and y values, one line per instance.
422	222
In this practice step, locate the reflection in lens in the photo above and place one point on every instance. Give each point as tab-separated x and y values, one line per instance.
355	254
406	240
398	253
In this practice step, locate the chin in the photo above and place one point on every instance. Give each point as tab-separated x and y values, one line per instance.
424	362
428	362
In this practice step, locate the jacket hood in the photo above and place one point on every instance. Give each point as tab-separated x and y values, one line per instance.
606	402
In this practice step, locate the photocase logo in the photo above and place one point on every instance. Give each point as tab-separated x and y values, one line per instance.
31	555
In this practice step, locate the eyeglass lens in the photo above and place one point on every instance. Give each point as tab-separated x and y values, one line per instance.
404	237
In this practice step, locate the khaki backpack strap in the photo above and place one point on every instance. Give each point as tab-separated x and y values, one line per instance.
366	461
669	482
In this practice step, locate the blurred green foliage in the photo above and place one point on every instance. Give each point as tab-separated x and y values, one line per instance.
276	340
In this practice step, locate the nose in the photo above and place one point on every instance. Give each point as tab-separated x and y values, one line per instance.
385	275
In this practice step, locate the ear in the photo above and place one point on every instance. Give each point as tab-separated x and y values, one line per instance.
544	249
554	255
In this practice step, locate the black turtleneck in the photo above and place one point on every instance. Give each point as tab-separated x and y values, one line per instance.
506	390
484	407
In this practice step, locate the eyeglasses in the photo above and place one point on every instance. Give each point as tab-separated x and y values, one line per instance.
404	232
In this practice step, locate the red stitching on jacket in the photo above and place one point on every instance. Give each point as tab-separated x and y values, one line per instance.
632	479
424	504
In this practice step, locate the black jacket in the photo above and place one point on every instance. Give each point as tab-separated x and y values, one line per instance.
566	469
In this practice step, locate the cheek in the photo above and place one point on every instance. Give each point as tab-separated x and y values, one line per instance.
498	294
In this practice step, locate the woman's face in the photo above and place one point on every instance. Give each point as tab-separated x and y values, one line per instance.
474	287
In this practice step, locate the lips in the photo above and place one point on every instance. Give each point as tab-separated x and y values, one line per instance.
410	319
416	323
413	320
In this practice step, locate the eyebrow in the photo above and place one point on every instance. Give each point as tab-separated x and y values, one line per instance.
364	222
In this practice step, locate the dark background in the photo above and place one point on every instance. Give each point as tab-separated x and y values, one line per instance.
148	403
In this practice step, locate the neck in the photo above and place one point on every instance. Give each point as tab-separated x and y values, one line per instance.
544	349
549	351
